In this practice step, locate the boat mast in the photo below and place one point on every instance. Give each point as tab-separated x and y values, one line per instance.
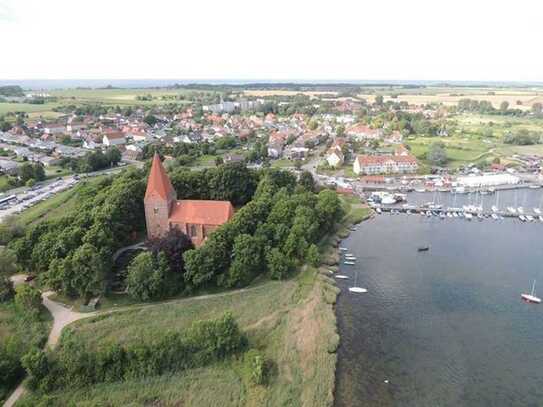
533	288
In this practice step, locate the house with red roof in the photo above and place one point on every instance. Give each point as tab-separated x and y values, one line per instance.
363	132
385	164
196	218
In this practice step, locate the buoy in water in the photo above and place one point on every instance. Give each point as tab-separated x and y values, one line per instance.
358	290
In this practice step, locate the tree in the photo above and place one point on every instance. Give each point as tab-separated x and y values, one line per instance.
89	270
504	106
28	299
113	156
247	260
7	262
150	119
379	100
537	108
312	256
313	125
6	289
145	278
279	265
298	164
218	161
437	155
307	181
340	130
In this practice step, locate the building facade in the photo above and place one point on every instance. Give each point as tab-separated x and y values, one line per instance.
163	212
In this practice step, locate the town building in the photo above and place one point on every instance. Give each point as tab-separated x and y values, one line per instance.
362	132
113	138
385	164
163	212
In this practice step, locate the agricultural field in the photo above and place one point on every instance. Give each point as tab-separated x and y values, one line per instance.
450	96
120	97
271	92
32	109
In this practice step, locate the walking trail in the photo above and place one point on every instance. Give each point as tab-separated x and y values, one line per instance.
62	316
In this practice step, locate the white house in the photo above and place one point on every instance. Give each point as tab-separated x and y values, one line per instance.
114	138
335	158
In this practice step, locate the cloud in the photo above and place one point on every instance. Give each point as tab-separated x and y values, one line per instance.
6	12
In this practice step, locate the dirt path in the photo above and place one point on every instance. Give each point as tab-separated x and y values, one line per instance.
62	316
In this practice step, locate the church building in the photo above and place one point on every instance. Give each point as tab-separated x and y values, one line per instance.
196	218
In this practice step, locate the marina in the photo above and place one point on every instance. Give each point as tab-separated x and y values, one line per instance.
524	204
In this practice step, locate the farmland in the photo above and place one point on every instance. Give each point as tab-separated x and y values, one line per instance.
519	98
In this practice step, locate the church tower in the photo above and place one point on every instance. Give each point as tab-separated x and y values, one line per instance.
159	199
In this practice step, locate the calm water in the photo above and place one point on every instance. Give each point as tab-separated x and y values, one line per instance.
445	327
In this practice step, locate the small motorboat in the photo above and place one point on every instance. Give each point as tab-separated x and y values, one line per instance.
537	210
531	298
349	263
522	218
378	210
495	217
423	248
468	216
341	276
343	249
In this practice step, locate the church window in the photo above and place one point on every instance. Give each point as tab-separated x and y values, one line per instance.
192	230
156	211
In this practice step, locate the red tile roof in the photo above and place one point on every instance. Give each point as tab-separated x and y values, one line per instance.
158	184
365	160
201	212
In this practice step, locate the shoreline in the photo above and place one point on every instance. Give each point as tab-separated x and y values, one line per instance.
331	263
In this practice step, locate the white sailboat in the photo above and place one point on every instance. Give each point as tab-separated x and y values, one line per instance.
357	289
495	207
531	298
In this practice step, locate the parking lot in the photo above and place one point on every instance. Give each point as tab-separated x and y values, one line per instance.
33	196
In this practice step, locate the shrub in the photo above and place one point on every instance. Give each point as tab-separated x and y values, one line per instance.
28	299
76	365
6	289
255	365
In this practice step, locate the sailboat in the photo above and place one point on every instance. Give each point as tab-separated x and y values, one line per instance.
357	289
495	207
531	298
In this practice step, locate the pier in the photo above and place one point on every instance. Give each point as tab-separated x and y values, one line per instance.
457	213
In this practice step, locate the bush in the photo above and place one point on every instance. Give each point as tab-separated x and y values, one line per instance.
75	365
6	289
312	256
255	366
28	299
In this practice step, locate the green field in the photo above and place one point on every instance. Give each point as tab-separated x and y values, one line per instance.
121	97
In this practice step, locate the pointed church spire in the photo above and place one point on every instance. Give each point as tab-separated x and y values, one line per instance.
158	184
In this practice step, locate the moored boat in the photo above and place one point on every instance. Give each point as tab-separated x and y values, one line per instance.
531	298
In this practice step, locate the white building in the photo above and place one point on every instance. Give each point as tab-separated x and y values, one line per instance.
487	180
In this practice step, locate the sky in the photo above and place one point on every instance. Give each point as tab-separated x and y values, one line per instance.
476	40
